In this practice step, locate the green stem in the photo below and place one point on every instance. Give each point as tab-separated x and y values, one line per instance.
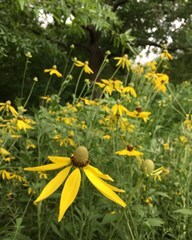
64	81
29	94
137	186
176	100
39	219
115	72
98	73
45	93
127	76
24	75
65	68
78	81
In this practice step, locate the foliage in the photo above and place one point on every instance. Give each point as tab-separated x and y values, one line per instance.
138	116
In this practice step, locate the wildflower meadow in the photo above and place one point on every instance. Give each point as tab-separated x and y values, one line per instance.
112	163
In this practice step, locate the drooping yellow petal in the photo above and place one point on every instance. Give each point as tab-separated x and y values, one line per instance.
114	109
13	111
56	159
79	63
69	192
120	110
98	173
46	167
47	70
54	184
122	152
103	187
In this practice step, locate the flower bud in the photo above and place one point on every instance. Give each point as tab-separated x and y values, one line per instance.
35	79
108	52
147	166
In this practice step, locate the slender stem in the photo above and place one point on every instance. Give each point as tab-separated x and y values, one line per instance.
29	94
24	75
39	219
64	81
127	76
175	98
117	224
65	68
82	90
115	72
45	93
137	186
78	81
150	98
98	73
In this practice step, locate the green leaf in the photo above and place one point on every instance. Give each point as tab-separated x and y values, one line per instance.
185	211
55	229
21	4
108	218
163	194
154	222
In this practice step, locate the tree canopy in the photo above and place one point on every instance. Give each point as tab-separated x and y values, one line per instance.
93	27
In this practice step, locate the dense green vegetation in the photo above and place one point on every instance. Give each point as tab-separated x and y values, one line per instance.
93	143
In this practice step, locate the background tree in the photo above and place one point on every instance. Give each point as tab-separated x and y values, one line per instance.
93	27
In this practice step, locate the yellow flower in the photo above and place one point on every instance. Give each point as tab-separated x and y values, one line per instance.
85	66
89	102
130	90
107	137
46	98
166	55
5	174
157	173
152	65
130	152
65	141
6	156
18	177
126	126
138	69
22	123
149	201
139	114
118	109
166	146
188	122
79	161
42	175
160	81
8	108
53	70
117	85
183	139
4	152
123	61
107	85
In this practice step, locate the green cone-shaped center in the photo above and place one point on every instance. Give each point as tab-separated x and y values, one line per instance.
80	157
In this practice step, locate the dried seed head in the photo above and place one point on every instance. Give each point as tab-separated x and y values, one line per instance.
138	109
147	166
130	147
80	157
